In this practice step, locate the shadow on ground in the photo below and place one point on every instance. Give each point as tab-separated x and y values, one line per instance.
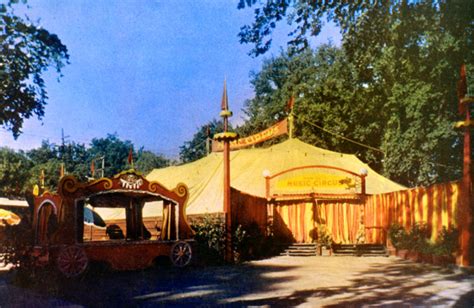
192	286
400	284
395	284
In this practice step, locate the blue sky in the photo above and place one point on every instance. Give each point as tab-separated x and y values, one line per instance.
151	71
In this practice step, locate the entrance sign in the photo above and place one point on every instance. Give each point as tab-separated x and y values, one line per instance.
278	129
314	181
320	181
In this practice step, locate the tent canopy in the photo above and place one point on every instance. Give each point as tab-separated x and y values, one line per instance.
204	177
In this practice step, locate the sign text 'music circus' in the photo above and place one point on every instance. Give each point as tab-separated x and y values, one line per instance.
315	181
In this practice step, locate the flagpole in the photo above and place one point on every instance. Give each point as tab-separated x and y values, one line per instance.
291	117
130	157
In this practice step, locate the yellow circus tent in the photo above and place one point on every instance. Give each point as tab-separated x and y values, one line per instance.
204	177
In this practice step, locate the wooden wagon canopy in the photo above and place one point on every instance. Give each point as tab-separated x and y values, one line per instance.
110	192
111	195
204	176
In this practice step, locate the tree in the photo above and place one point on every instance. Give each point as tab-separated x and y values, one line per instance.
327	96
366	20
26	52
115	152
46	162
76	159
48	159
196	148
14	172
406	55
147	161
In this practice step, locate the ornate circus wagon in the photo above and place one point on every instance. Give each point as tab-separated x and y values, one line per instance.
59	231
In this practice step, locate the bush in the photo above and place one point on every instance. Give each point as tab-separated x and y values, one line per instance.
324	237
397	235
16	243
418	237
210	239
248	243
447	242
257	244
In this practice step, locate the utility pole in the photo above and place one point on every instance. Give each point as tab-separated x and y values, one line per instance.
62	150
63	142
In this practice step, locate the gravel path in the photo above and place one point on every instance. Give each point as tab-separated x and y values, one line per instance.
279	281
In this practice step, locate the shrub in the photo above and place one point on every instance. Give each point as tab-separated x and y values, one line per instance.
239	241
447	242
257	243
16	243
418	237
324	237
399	237
210	239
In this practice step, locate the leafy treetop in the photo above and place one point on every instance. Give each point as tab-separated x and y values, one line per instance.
26	52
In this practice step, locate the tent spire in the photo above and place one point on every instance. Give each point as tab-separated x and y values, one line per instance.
225	100
226	137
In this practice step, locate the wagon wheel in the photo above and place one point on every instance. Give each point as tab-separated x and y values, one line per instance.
72	261
181	254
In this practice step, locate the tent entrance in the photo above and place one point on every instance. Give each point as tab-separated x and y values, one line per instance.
305	221
310	201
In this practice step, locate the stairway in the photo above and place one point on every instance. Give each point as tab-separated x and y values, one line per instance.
366	250
301	250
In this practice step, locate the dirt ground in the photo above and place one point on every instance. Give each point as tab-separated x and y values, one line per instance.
279	281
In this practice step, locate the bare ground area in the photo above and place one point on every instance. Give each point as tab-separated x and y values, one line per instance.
279	281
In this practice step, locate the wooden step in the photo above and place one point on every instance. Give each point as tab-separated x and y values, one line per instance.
360	250
300	249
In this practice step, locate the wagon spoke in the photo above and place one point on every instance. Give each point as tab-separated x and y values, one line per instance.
72	261
181	254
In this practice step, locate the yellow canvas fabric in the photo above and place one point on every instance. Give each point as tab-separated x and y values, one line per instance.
204	177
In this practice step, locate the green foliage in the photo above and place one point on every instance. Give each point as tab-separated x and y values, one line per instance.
256	243
27	51
115	151
48	159
196	148
147	161
239	239
16	243
365	25
447	242
324	237
392	86
327	95
418	237
19	171
75	158
398	236
14	172
210	239
248	243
